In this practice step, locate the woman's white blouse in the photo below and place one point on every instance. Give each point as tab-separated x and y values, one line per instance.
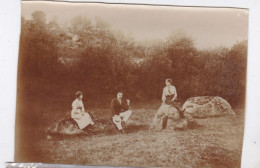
168	90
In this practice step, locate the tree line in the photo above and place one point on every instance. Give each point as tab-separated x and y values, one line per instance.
57	60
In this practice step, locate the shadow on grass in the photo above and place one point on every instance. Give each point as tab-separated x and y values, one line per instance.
136	128
193	124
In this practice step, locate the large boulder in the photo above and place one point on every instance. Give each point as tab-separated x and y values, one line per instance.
207	106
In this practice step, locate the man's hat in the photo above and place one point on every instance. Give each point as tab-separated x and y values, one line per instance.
116	118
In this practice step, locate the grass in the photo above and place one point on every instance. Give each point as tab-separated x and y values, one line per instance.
216	143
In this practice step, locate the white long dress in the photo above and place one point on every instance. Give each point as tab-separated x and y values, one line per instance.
78	113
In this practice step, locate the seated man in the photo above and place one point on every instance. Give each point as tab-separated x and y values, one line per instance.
120	112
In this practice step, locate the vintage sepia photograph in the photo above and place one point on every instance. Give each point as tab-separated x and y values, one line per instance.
131	85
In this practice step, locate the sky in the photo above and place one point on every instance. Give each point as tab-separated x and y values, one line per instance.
208	27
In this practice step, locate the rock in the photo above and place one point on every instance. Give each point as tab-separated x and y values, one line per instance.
173	113
207	106
175	121
164	110
69	127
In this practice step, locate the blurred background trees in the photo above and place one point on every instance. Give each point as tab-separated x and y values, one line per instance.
55	61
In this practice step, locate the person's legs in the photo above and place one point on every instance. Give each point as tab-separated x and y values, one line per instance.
178	106
117	121
87	119
173	113
159	121
164	124
92	117
125	115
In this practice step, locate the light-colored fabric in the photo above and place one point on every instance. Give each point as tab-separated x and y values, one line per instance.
124	116
77	108
117	120
169	90
78	113
84	121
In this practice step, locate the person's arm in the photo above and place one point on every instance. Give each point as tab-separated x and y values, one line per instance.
163	97
113	109
83	108
74	108
175	94
126	105
128	102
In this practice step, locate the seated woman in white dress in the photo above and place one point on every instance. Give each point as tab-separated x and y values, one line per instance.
79	114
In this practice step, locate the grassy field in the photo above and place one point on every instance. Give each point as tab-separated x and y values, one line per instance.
216	143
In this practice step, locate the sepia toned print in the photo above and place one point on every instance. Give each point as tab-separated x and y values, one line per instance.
131	85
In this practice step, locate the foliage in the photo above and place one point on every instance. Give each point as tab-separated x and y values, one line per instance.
90	56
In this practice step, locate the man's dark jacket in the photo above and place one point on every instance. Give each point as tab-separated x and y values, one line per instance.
117	108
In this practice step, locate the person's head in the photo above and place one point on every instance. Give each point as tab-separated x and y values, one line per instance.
168	82
79	95
120	95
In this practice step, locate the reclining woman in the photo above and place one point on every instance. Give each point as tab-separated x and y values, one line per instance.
169	106
78	113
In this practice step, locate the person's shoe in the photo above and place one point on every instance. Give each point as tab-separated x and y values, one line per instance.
122	131
123	125
89	129
92	130
164	124
181	114
89	132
